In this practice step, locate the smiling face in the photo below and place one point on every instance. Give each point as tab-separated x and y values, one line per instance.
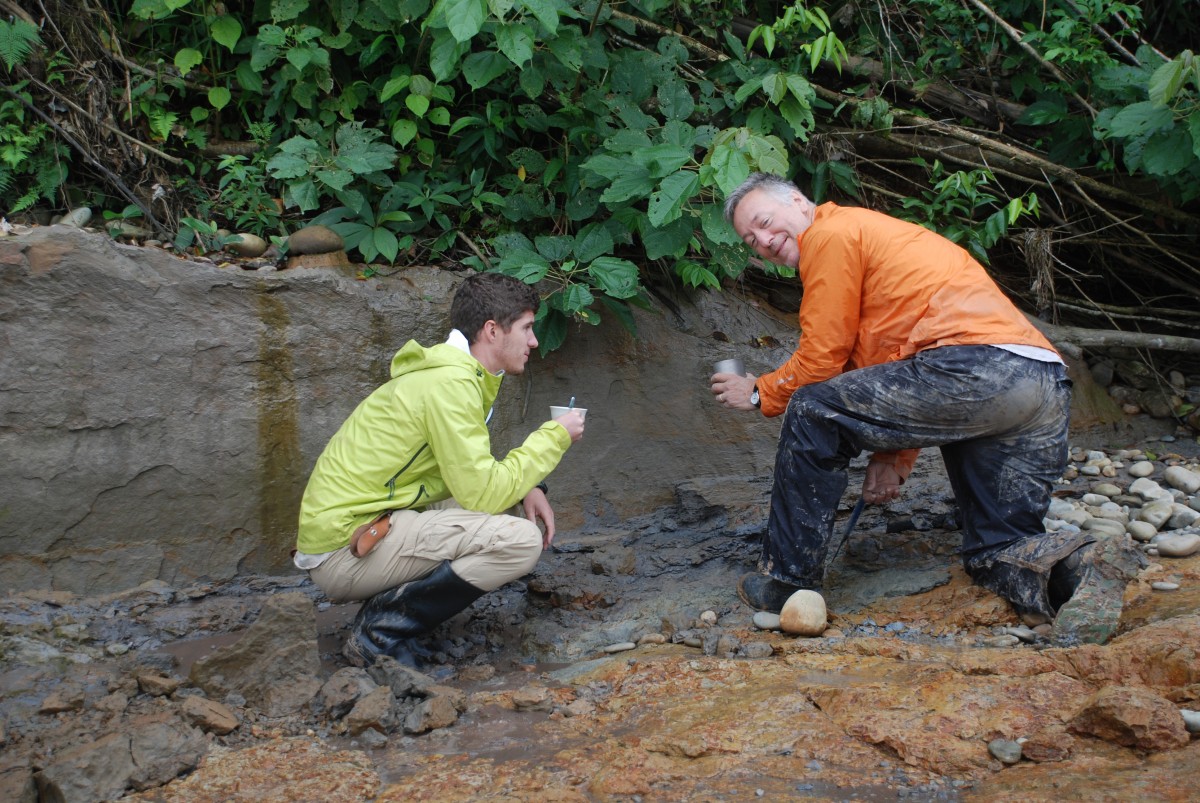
770	224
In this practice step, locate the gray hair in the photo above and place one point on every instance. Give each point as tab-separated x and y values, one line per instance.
776	186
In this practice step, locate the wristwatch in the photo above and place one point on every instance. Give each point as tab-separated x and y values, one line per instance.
754	399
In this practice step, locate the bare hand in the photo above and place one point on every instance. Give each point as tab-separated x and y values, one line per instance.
882	483
733	391
537	506
572	422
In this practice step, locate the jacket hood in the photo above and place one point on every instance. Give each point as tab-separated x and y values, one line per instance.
415	357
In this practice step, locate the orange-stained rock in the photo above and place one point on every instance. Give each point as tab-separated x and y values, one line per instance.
1132	717
1163	656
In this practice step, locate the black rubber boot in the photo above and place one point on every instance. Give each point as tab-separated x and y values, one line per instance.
764	593
390	622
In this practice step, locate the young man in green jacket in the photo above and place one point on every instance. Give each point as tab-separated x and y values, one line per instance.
419	440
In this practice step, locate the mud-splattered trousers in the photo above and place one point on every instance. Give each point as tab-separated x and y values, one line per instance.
1000	420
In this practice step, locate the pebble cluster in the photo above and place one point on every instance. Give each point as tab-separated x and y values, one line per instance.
1162	514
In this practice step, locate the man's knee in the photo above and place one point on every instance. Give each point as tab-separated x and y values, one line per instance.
521	542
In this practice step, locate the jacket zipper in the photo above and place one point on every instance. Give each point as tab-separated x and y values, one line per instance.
391	483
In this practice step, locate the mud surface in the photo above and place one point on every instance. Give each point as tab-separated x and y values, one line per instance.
898	700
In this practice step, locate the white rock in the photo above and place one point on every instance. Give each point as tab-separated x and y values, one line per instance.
1194	503
1106	489
1179	477
804	614
1177	545
77	217
1059	508
1141	530
1104	526
1142	468
709	617
1157	513
1182	517
1090	471
1191	720
1163	585
1095	500
1147	489
621	646
765	620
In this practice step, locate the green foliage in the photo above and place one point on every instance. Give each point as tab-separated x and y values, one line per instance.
33	164
313	166
573	142
18	40
245	200
202	235
955	203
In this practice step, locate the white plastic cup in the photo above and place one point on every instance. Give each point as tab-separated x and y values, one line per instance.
733	366
555	412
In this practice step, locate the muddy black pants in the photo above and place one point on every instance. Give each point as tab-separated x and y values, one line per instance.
1000	420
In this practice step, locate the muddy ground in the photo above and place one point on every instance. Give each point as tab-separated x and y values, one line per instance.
911	694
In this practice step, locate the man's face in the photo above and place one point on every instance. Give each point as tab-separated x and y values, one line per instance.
770	226
513	346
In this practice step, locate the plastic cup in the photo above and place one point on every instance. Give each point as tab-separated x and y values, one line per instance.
555	412
733	366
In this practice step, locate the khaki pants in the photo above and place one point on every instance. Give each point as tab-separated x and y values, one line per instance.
486	551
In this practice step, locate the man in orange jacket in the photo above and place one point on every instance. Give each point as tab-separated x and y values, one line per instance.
906	342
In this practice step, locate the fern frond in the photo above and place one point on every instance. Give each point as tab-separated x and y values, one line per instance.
17	41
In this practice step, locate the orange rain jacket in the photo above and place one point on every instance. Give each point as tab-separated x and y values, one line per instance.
878	289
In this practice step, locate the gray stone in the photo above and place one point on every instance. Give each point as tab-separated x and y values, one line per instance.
1191	720
431	714
163	748
1005	751
1182	478
1181	545
377	711
343	689
1142	468
95	769
17	785
765	620
274	665
1141	530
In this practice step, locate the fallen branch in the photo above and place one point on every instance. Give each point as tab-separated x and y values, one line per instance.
1105	338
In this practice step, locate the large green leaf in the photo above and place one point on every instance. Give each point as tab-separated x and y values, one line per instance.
1168	152
667	203
480	69
675	100
1166	82
1139	119
515	42
226	31
464	18
525	264
546	12
663	160
555	247
670	240
616	277
593	241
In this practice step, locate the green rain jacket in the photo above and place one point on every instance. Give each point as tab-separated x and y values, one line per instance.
418	439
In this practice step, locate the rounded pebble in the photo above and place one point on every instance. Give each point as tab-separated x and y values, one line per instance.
1141	530
652	638
314	239
709	617
1163	585
765	620
1005	751
621	646
1181	545
1142	468
1002	641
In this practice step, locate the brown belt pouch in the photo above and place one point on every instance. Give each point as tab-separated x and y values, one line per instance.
368	535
